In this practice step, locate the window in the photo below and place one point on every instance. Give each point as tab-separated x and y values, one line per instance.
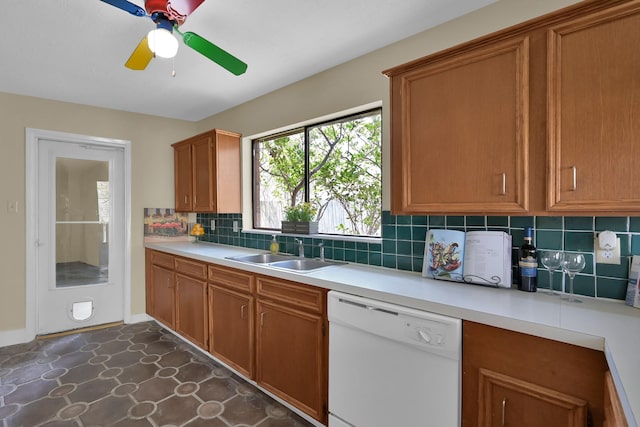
336	166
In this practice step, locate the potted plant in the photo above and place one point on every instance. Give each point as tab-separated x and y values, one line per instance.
300	219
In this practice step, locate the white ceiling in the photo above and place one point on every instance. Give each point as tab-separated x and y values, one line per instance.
75	50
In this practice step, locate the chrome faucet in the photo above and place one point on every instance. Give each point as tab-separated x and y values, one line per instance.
300	248
321	244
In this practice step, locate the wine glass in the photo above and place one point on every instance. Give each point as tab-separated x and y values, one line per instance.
551	260
572	264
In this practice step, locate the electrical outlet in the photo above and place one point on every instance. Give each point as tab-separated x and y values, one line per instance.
235	226
213	225
607	257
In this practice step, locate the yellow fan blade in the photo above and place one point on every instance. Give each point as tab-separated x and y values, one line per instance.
140	57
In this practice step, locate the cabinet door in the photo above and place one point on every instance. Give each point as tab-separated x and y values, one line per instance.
191	309
613	412
148	281
459	139
594	113
291	356
183	177
202	161
163	295
226	178
509	401
536	378
231	331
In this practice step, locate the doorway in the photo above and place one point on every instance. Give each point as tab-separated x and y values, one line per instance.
78	221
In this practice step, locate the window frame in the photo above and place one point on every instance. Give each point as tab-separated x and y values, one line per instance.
305	130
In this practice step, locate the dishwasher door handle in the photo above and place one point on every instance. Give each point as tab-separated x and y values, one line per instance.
368	307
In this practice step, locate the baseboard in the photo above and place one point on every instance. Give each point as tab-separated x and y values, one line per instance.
138	318
20	336
16	336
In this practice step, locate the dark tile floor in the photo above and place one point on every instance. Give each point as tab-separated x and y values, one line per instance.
131	376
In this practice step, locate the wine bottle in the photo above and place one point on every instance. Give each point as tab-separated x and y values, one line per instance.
528	264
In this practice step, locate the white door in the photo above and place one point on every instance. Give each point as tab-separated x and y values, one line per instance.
80	235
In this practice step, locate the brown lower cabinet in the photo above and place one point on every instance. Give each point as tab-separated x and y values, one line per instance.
161	288
292	343
274	331
232	318
613	412
515	379
270	330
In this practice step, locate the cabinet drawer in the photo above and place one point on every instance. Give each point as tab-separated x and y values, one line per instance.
162	259
298	295
191	268
231	278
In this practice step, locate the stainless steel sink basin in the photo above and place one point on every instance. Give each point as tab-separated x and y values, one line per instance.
262	258
287	262
304	264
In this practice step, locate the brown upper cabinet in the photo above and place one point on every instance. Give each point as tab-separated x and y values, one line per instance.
594	112
207	173
539	118
459	132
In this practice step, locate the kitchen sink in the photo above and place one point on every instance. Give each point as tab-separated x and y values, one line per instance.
287	262
261	258
304	264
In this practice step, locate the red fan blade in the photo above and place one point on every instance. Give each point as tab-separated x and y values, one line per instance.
184	7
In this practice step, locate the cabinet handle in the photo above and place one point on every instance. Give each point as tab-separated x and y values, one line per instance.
574	185
185	199
195	200
504	408
504	184
242	309
262	318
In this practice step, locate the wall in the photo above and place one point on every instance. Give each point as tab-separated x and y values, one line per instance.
347	86
360	81
151	139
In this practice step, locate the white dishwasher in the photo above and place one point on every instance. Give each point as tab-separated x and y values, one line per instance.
391	365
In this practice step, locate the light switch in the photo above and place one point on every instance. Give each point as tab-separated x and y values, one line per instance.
12	206
235	226
213	225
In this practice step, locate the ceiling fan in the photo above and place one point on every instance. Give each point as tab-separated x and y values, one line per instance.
168	16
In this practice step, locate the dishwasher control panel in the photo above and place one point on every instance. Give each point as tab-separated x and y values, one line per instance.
422	330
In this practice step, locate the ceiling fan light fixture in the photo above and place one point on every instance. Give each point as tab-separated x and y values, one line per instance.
162	43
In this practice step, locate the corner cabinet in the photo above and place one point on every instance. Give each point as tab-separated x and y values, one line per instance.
207	173
514	379
160	288
459	131
594	112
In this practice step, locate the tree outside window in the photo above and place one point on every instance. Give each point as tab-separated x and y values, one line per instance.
336	166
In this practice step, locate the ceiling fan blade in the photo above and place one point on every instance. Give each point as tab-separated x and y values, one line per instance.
214	53
140	57
185	7
127	7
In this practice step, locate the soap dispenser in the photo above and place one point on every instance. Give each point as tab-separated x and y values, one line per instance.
275	246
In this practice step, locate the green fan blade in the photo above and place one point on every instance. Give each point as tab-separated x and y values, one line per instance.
214	53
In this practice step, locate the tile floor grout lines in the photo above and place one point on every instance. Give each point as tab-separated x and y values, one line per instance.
137	375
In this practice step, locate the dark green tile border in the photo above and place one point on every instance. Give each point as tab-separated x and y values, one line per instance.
403	242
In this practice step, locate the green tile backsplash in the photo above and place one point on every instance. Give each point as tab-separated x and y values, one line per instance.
403	242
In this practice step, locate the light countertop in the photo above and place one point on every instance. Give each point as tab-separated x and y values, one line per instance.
610	326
